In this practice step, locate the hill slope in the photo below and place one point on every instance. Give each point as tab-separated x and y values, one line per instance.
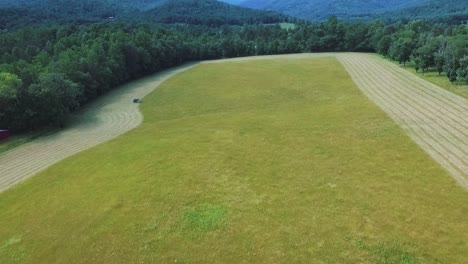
39	12
285	154
352	9
431	9
206	12
133	4
211	13
319	9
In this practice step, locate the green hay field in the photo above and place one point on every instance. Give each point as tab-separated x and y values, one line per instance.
280	161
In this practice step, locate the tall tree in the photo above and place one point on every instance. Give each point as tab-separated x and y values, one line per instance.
9	96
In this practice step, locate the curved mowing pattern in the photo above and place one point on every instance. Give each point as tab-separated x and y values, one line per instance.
102	120
434	118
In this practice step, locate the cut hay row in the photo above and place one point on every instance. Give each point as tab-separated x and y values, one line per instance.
440	140
276	57
434	118
436	142
98	122
444	121
103	120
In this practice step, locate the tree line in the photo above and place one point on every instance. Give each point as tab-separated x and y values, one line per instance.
429	46
46	72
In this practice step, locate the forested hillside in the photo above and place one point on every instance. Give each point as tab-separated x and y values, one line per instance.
206	12
210	13
321	10
59	11
431	9
133	4
57	55
362	9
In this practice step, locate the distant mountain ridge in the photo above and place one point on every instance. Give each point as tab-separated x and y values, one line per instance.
199	12
210	13
359	9
432	9
133	4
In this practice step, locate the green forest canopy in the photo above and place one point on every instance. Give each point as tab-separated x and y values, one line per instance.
198	12
49	70
391	10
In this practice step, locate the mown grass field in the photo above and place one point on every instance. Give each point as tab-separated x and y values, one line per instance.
279	161
434	77
18	140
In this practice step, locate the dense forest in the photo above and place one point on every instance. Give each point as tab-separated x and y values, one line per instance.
210	13
195	12
318	10
389	10
50	70
447	10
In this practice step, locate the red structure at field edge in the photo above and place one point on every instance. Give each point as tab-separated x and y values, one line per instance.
4	134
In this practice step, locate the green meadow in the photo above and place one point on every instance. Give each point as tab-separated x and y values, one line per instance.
274	161
287	25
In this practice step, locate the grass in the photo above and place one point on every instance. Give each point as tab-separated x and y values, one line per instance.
205	217
280	161
387	253
434	77
18	140
285	25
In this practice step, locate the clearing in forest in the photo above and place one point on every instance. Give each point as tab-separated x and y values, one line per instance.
266	161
